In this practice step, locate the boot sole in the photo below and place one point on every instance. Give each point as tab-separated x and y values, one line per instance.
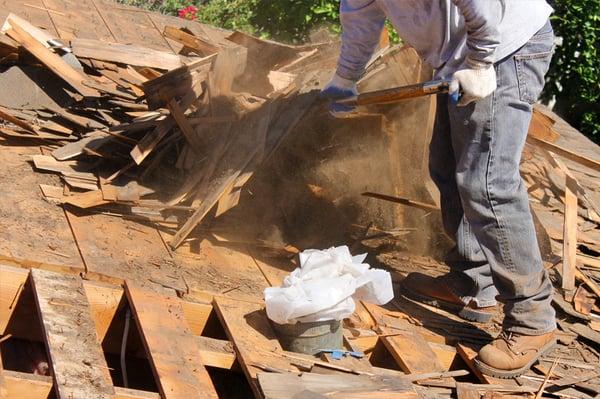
506	374
463	312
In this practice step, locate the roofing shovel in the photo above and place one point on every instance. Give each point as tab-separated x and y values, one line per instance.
393	95
396	94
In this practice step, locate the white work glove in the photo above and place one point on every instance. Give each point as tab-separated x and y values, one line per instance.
336	89
473	82
339	87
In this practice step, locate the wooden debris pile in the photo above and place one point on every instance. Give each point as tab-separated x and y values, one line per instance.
422	339
565	197
151	135
171	137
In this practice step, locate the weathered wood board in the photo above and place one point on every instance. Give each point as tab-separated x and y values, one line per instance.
30	386
125	53
33	232
289	386
249	329
411	352
173	351
78	365
124	250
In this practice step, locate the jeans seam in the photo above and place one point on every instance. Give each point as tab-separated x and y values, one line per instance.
466	234
506	258
521	81
534	56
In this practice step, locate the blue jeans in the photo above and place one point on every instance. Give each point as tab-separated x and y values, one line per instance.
474	160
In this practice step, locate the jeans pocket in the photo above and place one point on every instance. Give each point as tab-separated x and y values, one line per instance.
531	72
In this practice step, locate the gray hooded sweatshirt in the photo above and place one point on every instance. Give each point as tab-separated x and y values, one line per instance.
444	32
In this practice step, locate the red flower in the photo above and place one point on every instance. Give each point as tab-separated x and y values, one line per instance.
188	12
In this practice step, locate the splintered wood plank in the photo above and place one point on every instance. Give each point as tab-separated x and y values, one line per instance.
177	84
411	352
151	140
174	352
591	163
147	144
33	232
78	365
193	42
542	127
445	354
255	342
19	385
312	385
206	33
407	346
125	53
569	265
184	125
249	142
86	200
51	60
569	238
18	122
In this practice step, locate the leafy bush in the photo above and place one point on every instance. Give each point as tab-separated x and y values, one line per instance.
230	14
290	21
285	20
574	77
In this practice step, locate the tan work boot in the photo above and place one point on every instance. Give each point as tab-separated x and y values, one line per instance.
511	355
434	292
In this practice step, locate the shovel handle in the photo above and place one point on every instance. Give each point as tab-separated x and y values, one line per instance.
396	94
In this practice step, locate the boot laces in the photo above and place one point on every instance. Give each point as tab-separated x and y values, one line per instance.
510	338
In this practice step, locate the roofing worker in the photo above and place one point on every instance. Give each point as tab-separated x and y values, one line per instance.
497	53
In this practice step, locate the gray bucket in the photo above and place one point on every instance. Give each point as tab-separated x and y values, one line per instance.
309	338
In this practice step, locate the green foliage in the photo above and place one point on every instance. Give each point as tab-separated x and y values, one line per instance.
286	20
574	76
290	21
230	14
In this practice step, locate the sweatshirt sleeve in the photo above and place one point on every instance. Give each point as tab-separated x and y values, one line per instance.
362	22
482	19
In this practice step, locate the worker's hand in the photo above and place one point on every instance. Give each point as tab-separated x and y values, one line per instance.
339	88
336	89
473	82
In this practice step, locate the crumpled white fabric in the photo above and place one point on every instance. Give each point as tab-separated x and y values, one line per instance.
325	286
